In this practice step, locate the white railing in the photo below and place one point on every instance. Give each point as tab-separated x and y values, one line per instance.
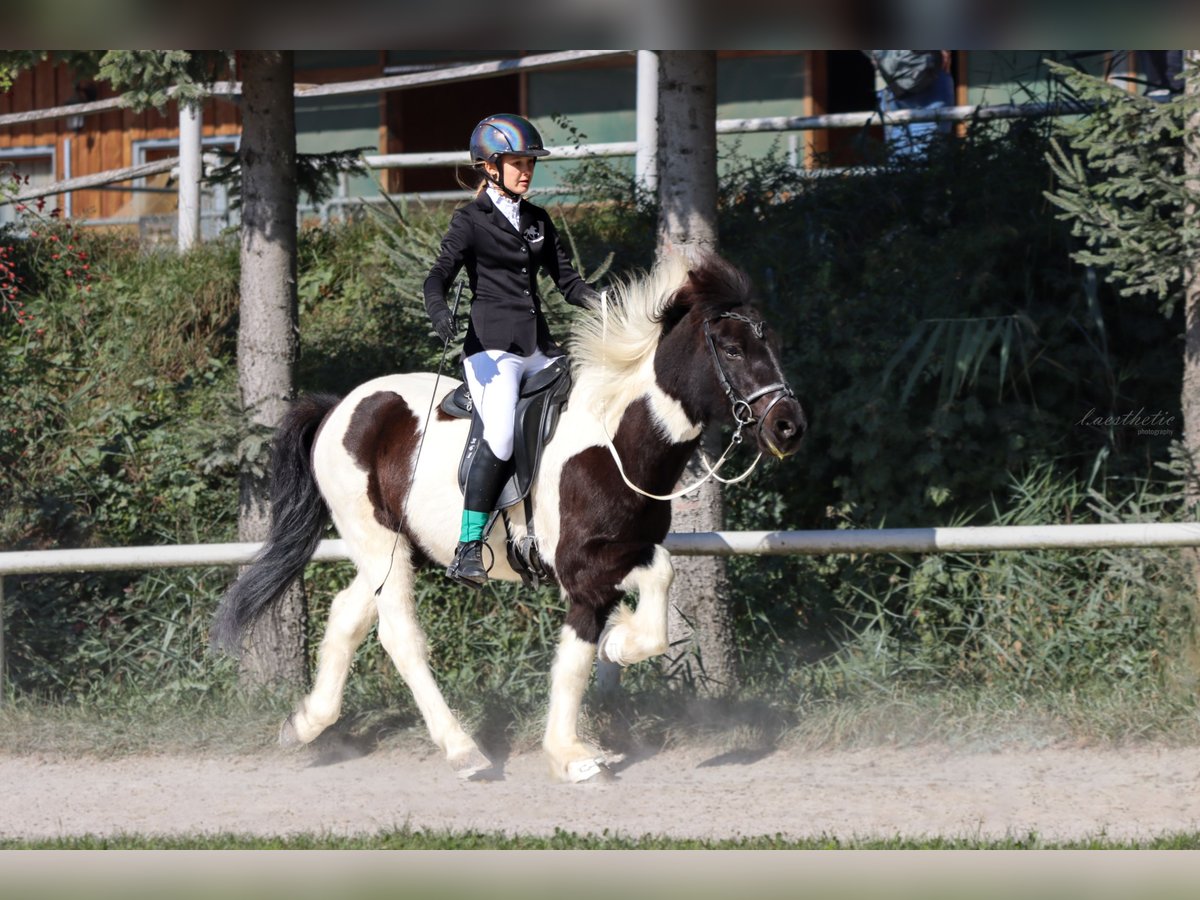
712	543
977	539
231	90
778	124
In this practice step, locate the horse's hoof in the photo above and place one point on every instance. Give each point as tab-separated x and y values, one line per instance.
589	771
288	738
472	766
616	634
611	644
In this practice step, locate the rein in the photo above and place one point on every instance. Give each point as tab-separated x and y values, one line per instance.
421	443
743	414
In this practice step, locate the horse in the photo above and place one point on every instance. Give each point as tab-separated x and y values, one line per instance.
677	350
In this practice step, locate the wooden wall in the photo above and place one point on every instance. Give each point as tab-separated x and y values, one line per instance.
106	140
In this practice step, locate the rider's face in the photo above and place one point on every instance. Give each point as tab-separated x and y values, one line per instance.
517	172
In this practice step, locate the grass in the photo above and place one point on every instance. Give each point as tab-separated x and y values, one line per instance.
416	839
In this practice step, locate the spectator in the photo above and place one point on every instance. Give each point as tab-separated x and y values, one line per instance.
1164	73
912	79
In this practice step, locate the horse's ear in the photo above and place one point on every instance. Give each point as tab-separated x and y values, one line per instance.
712	285
681	303
719	282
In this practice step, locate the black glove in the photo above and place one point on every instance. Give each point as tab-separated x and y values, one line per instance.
444	326
593	299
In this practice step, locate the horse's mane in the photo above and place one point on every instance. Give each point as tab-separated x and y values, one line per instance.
614	341
612	349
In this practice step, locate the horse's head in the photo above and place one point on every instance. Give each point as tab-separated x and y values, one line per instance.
720	360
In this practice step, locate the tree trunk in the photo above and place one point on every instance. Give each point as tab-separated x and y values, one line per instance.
700	624
687	152
274	651
1191	293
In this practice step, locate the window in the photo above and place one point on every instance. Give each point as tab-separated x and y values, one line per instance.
155	198
34	163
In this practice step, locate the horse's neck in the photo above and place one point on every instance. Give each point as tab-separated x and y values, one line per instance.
651	434
610	402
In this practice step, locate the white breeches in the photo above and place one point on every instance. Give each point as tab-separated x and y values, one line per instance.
495	378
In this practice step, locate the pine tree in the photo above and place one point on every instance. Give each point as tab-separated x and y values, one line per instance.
1130	186
1123	186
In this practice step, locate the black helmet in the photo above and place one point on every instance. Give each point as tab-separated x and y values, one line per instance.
505	134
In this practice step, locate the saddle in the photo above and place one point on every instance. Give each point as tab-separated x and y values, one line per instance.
539	405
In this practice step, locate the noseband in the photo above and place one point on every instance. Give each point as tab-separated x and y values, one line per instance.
743	413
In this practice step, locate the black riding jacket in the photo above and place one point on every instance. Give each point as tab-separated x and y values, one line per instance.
502	265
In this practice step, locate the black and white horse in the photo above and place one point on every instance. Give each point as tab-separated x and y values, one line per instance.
678	349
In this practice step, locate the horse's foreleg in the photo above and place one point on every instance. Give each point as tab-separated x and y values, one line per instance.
350	618
570	759
631	636
402	637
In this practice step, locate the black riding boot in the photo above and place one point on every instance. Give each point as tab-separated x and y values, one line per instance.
467	567
485	480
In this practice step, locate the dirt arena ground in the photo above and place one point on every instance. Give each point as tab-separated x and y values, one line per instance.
1058	793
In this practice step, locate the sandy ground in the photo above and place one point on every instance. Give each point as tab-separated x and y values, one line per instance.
1060	794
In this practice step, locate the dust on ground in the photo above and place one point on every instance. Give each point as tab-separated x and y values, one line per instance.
1059	794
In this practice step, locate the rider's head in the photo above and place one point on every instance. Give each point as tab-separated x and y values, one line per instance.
504	148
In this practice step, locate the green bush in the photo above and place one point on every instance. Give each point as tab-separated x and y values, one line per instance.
1017	621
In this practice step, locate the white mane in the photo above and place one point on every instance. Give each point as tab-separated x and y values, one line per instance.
612	348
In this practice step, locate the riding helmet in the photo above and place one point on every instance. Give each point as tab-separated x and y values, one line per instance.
505	134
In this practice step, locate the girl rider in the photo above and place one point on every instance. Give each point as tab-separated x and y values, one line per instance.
503	240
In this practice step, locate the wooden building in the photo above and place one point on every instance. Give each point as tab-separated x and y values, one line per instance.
590	102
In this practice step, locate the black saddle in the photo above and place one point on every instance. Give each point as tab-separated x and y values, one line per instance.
539	405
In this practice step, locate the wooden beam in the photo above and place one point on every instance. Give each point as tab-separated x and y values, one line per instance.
493	69
96	179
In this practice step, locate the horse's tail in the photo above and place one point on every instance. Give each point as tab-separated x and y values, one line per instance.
298	518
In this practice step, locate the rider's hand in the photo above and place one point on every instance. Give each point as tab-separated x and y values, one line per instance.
444	326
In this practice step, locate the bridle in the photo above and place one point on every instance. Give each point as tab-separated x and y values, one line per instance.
743	413
740	406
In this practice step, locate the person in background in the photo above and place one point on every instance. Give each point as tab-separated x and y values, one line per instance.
912	79
503	241
1164	73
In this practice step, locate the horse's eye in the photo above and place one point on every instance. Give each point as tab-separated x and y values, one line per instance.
731	351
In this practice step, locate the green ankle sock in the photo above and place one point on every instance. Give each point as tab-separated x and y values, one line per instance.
472	525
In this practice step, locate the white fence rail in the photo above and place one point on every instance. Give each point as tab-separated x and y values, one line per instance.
446	75
778	124
979	539
711	543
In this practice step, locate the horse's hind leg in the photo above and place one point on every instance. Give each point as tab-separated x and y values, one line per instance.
402	637
350	618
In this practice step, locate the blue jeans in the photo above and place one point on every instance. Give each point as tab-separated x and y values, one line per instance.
911	139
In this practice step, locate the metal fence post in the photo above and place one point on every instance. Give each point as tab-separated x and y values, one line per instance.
646	161
190	171
1	640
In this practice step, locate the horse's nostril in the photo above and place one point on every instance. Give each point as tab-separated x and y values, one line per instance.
788	430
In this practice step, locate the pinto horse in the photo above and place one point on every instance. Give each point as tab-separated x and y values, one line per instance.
678	350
